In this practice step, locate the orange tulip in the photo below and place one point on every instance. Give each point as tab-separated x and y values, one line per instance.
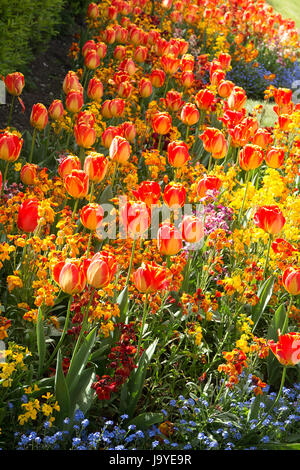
39	116
282	96
56	110
140	54
204	99
101	49
85	135
70	275
108	134
77	184
92	60
128	66
178	153
135	218
225	60
157	78
284	122
225	88
150	278
95	89
145	88
162	123
174	195
251	157
95	166
124	89
174	101
291	280
74	101
71	82
68	164
10	146
269	218
192	229
169	240
287	349
91	216
119	150
105	109
275	157
28	215
101	269
87	118
237	99
214	142
116	107
120	52
14	83
148	192
208	183
262	137
28	174
189	114
187	79
92	11
170	63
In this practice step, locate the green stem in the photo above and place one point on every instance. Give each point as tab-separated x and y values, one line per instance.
287	316
187	271
82	156
11	110
244	198
143	324
92	191
32	144
268	255
114	175
63	333
84	324
187	133
131	261
166	86
159	143
209	163
74	210
4	177
89	244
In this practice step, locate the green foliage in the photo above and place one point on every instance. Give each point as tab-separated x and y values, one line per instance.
32	23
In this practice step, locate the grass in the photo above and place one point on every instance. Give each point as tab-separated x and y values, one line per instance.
288	9
268	117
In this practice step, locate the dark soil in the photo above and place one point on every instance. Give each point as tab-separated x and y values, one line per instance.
43	83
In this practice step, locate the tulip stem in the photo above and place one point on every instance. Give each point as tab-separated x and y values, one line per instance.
187	270
4	177
11	110
187	133
92	191
84	324
209	163
244	198
114	174
82	156
287	316
32	144
268	254
159	143
63	333
74	210
131	261
89	244
143	324
166	87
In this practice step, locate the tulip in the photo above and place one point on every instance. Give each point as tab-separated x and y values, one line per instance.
124	90
105	109
192	229
214	142
173	100
187	79
28	216
145	88
189	114
291	280
178	153
85	135
71	82
148	192
282	96
68	164
208	183
101	269
119	150
92	11
187	63
95	89
14	83
0	181
275	157
284	122
283	247
10	146
129	131
169	241
157	78
225	88
120	52
150	278
70	275
170	64
174	195
92	60
116	107
140	54
109	35
77	184
28	174
87	118
108	135
162	123
225	60
95	166
287	348
128	66
135	218
74	101
251	157
204	99
101	49
262	137
237	99
91	216
56	110
39	116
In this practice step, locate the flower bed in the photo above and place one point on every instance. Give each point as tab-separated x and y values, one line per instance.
149	252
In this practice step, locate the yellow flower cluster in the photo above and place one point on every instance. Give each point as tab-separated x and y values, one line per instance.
11	363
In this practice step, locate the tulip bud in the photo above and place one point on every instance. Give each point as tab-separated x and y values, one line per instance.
28	216
92	11
173	100
225	88
116	107
291	280
192	229
145	88
214	142
39	116
284	122
251	157
70	276
77	184
91	216
178	153
237	98
170	64
204	99
10	146
150	278
269	218
124	90
189	114
74	101
105	109
108	134
101	270
120	52
119	150
14	83
135	218
169	240
208	183
140	54
187	79
85	135
129	130
101	49
157	78
95	166
71	82
92	60
275	157
148	192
